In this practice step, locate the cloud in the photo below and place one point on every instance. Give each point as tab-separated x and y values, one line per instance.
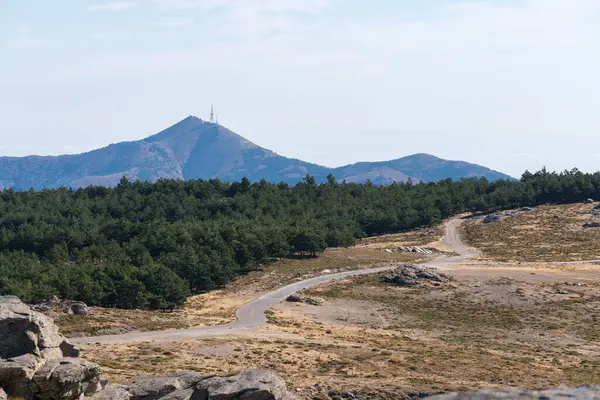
113	6
24	38
173	23
302	6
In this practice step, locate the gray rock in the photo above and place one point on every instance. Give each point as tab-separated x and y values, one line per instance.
16	372
25	331
582	393
148	387
185	394
592	225
589	201
78	308
597	207
491	218
2	394
249	385
294	298
65	379
112	392
526	208
410	275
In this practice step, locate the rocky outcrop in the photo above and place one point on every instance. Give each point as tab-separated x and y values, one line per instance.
62	306
188	385
36	361
249	385
294	298
581	393
65	379
492	218
410	275
25	331
411	249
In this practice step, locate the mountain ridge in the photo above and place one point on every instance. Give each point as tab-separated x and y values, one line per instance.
196	149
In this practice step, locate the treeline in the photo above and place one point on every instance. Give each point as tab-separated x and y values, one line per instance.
151	245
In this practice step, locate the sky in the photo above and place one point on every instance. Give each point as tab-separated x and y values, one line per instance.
510	84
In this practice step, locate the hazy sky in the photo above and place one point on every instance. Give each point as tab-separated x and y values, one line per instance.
510	84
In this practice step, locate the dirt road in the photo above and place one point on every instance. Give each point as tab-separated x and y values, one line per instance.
252	314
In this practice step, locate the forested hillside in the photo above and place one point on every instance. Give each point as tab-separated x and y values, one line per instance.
151	245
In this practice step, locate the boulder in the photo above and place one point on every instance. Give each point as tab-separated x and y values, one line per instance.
581	393
491	218
65	379
294	298
112	392
410	275
16	372
589	201
148	387
25	331
77	308
249	385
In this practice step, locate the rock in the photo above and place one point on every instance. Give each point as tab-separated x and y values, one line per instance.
592	225
597	207
16	372
25	331
589	201
581	393
65	379
294	298
185	394
78	308
249	385
2	394
526	208
112	392
150	387
410	275
491	218
415	249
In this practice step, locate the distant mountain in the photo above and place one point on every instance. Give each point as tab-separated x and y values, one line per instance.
195	149
418	167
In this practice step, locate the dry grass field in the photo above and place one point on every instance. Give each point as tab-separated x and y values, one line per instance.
487	327
218	307
549	234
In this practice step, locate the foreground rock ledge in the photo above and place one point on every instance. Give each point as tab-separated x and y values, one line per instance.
37	362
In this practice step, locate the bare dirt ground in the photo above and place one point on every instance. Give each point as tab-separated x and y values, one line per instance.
549	233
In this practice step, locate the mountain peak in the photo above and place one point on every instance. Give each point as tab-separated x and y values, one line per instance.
196	149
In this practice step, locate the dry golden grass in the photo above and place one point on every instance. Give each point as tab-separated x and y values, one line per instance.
472	332
218	307
548	234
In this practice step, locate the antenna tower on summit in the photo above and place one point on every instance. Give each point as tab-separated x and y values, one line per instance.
212	114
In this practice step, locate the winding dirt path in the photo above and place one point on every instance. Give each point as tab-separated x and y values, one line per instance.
252	314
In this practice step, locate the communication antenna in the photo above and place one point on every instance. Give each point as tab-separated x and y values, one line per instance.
216	119
212	114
